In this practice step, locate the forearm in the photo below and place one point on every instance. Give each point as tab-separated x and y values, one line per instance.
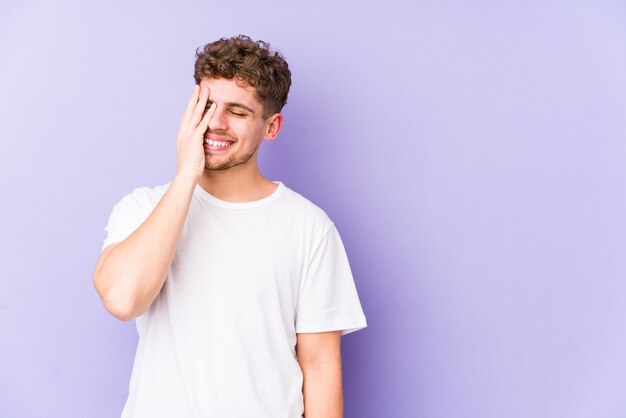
131	275
322	390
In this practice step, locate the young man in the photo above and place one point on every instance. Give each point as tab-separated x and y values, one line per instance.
240	287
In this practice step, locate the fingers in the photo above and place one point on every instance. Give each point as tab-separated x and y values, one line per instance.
190	107
204	123
200	108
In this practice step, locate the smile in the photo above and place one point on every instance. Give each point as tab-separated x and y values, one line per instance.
215	143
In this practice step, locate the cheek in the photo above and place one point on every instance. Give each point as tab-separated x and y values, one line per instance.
249	130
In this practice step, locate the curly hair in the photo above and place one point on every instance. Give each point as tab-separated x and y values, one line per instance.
251	63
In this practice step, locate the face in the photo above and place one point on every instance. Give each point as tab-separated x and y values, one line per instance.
237	127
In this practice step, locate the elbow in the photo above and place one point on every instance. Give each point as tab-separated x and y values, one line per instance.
121	307
123	312
117	302
118	299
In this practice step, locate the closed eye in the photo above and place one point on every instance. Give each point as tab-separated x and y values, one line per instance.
237	114
230	110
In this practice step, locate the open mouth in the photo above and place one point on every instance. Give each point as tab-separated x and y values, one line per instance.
215	145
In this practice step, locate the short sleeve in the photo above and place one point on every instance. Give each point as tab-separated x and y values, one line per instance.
127	215
328	299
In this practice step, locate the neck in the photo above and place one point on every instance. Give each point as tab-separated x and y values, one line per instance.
242	183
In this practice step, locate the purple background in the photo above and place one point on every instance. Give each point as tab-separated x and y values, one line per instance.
472	154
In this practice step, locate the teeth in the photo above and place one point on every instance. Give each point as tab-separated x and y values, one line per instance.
215	143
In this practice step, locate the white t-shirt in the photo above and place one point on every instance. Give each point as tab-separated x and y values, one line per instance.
219	339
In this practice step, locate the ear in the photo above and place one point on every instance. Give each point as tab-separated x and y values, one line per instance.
272	126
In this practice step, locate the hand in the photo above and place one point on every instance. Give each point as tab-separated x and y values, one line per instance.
190	137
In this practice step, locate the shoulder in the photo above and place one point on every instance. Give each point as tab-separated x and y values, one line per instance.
130	211
144	197
307	212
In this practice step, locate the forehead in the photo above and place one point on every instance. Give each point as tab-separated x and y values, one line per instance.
224	90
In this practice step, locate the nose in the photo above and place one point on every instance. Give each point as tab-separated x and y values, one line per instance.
218	120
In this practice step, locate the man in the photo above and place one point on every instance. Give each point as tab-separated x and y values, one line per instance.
240	287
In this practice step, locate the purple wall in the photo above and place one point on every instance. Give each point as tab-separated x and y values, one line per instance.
472	156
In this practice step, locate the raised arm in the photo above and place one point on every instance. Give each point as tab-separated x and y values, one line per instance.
129	274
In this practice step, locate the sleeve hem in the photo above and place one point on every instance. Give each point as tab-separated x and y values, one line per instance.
110	241
346	326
